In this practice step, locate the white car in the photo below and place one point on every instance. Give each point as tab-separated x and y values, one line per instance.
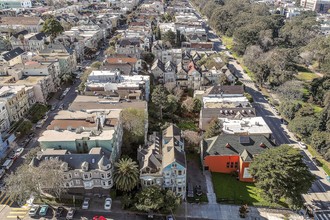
85	204
107	203
302	145
34	210
19	151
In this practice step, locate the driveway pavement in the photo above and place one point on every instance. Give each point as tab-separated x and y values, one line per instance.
210	190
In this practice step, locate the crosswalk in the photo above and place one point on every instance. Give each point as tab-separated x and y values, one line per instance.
5	199
20	212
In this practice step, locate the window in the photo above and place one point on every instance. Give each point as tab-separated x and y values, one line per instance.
108	175
102	175
179	172
236	164
231	164
228	164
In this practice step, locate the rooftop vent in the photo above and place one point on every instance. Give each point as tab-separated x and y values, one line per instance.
228	145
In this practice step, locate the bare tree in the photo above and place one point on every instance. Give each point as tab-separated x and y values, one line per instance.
192	137
170	86
178	92
188	104
35	180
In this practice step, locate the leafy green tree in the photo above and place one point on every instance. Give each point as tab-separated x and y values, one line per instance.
280	173
25	127
159	98
150	199
304	126
52	27
197	105
300	30
288	109
172	104
169	36
148	57
126	176
171	201
320	140
214	128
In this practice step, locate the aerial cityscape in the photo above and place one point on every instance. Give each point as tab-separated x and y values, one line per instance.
164	109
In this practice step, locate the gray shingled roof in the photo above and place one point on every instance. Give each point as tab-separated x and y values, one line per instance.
13	53
75	160
228	144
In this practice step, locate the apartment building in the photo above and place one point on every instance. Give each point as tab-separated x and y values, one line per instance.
16	101
163	162
82	131
83	174
28	41
114	84
4	117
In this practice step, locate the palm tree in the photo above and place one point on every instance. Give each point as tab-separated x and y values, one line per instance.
126	175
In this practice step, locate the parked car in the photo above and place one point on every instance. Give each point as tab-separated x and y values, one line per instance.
43	210
53	107
302	145
34	210
107	203
169	217
85	204
190	192
7	164
199	190
19	151
70	214
59	211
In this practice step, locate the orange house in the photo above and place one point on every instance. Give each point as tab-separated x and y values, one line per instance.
229	153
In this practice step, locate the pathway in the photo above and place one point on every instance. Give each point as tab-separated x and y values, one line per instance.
209	185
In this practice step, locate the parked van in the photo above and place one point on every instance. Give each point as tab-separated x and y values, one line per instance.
7	164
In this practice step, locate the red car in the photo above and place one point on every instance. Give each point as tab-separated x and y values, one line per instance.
99	218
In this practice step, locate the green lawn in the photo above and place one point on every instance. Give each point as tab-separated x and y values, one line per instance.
227	41
230	190
187	124
306	76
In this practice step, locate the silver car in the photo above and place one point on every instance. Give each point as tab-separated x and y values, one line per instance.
85	204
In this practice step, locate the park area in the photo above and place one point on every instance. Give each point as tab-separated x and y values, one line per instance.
229	190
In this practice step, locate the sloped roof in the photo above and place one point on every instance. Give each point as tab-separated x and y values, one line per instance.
13	53
75	160
20	20
218	145
173	155
246	156
158	63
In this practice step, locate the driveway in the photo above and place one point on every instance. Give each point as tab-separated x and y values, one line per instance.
194	172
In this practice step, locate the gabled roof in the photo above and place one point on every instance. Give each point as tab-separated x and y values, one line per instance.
170	66
20	20
230	144
24	32
13	53
173	155
158	63
172	130
129	41
38	36
246	156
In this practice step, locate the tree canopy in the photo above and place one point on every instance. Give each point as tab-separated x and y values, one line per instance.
126	176
52	27
280	173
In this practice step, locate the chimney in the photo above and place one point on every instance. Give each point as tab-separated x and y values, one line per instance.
262	145
228	145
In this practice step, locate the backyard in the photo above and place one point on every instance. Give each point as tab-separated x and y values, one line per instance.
230	190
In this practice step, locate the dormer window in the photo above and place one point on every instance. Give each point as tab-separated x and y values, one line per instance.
84	166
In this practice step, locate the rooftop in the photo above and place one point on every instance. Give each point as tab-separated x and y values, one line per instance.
53	135
96	103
